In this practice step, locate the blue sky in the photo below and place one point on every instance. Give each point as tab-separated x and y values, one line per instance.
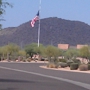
24	10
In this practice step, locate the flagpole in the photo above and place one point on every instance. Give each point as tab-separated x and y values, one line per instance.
39	23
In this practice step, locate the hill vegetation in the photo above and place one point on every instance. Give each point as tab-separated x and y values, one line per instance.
53	31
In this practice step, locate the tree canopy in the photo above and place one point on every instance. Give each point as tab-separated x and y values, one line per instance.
3	5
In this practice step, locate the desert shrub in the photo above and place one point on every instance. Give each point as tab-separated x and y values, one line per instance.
88	63
52	65
28	59
83	67
88	66
77	61
69	63
24	60
63	60
42	59
56	64
63	65
74	66
47	65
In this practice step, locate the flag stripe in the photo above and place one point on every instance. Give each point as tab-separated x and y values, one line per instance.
35	19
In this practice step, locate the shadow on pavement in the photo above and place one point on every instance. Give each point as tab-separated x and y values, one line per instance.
15	81
9	89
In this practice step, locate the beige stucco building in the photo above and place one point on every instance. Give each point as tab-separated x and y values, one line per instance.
63	46
67	46
79	46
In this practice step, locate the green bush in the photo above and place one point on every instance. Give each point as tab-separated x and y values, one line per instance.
63	60
77	61
88	66
83	67
74	66
63	65
69	63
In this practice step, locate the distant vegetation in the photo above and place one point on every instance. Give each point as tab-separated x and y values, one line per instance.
12	51
56	58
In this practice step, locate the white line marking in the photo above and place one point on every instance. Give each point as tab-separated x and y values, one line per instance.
84	85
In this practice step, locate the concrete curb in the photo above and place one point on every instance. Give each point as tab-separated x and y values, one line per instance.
63	69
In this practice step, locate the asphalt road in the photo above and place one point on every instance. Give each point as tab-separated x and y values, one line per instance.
29	76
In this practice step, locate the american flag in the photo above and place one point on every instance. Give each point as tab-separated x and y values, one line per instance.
35	19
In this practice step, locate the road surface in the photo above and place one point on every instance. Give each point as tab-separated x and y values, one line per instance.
29	76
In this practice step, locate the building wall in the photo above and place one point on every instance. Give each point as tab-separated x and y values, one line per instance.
80	46
63	46
67	46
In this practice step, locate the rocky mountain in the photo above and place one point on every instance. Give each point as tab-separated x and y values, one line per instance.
53	31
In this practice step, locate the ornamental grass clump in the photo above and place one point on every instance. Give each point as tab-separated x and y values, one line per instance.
83	67
52	65
74	66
